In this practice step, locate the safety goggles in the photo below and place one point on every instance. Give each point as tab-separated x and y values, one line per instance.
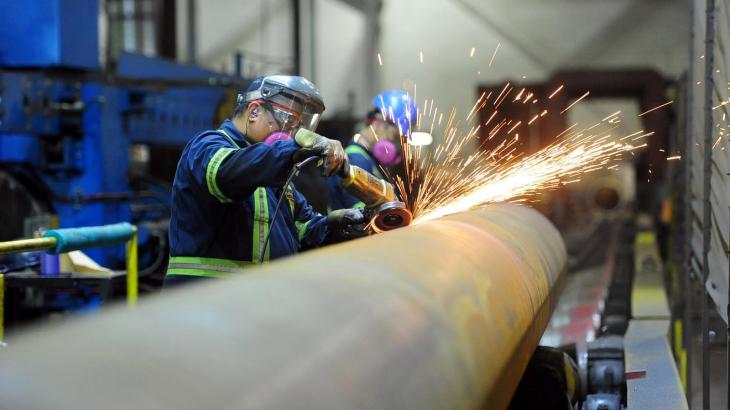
285	119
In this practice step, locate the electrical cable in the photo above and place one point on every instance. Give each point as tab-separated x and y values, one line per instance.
294	172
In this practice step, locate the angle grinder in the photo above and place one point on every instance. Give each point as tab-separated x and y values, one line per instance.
382	206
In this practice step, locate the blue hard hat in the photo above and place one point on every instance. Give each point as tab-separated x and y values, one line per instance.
398	107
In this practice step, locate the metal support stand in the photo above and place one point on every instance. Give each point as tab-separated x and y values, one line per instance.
132	266
687	257
706	218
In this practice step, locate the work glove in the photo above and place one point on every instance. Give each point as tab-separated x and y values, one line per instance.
331	151
345	224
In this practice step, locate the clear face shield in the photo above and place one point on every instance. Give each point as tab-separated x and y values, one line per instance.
292	115
289	119
292	109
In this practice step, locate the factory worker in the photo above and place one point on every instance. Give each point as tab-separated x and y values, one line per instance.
378	144
228	181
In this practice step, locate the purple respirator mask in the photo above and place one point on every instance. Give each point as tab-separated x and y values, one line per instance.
277	136
386	153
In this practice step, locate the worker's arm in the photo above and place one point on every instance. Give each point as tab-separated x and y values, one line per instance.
316	230
311	226
232	174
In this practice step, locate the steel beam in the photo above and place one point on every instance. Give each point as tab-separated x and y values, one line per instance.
444	314
707	206
688	224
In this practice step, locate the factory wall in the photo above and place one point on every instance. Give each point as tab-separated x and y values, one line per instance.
332	53
537	38
340	58
717	284
617	34
261	29
448	73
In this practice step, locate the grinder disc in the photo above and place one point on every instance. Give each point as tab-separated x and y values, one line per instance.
391	215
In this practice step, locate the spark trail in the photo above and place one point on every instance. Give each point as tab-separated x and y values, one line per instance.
454	177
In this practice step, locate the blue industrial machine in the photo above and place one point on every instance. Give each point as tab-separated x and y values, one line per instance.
67	124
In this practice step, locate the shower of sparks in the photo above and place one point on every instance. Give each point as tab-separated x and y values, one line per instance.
721	104
471	53
656	108
557	90
717	142
674	158
452	177
494	54
611	117
380	60
576	102
375	134
420	56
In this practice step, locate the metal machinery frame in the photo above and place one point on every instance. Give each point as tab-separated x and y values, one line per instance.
67	124
701	229
647	86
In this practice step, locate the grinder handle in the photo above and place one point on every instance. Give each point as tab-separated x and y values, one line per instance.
303	154
306	153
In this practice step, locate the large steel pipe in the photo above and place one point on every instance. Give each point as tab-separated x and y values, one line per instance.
440	315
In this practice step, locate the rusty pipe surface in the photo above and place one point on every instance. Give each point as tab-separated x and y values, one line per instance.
443	314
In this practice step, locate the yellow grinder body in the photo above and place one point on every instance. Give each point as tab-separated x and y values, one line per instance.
366	187
378	196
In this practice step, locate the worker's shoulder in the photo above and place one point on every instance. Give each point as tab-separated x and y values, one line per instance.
361	160
209	138
355	149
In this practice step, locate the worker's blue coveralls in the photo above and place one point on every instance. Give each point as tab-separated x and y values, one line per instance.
223	199
337	196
